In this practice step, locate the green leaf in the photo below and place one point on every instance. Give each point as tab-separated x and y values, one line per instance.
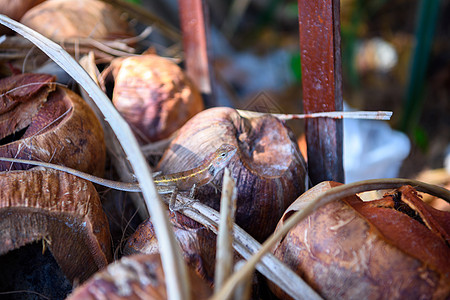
420	138
137	2
296	66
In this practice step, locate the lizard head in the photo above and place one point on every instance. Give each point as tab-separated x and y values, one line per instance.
222	156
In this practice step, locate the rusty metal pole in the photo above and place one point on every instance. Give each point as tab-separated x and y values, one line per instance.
319	25
195	28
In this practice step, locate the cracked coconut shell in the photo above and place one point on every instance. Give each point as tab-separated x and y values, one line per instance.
42	121
60	209
396	247
153	95
67	19
268	167
135	277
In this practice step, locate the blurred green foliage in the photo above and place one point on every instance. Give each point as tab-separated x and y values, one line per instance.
138	2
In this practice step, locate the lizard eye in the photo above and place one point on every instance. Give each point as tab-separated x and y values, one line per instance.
223	154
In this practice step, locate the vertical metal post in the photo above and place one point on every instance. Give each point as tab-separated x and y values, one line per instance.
322	86
195	28
428	12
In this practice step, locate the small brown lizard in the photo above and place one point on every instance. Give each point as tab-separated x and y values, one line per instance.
165	184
